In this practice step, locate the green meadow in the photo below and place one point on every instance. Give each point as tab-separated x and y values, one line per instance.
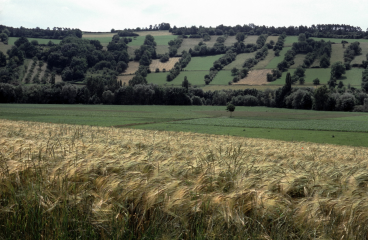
343	128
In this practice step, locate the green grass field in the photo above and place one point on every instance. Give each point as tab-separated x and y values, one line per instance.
256	122
40	40
276	60
337	54
194	77
239	61
289	40
103	40
360	58
202	63
298	60
223	77
158	78
263	63
352	77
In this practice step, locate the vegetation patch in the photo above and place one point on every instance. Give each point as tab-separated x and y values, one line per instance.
251	39
289	40
298	60
337	54
166	65
132	67
4	47
202	63
363	56
277	59
239	61
255	77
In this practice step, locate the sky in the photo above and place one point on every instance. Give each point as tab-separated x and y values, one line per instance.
102	16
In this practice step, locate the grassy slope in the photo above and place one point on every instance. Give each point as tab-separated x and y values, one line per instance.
4	47
269	120
276	60
202	63
352	76
337	54
222	78
298	60
362	57
239	61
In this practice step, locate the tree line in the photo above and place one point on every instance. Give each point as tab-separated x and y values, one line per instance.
319	30
54	33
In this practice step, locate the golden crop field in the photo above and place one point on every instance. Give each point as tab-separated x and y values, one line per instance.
78	181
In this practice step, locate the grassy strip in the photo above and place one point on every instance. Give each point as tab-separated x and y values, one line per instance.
358	139
276	60
202	63
323	125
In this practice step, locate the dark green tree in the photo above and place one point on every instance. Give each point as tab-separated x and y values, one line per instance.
185	83
240	37
320	98
2	59
316	81
230	108
337	70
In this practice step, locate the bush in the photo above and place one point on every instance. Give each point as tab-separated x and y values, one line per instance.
157	70
316	81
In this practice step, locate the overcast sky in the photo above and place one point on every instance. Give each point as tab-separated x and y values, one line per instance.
102	15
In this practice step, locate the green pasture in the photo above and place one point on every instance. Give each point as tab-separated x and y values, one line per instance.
289	40
40	40
298	60
352	77
223	77
337	53
342	128
362	57
160	79
196	78
202	63
276	60
239	61
103	40
263	63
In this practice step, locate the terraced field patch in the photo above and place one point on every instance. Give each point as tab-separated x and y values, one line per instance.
255	77
167	65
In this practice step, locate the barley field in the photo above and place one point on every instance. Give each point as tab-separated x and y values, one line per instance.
69	181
